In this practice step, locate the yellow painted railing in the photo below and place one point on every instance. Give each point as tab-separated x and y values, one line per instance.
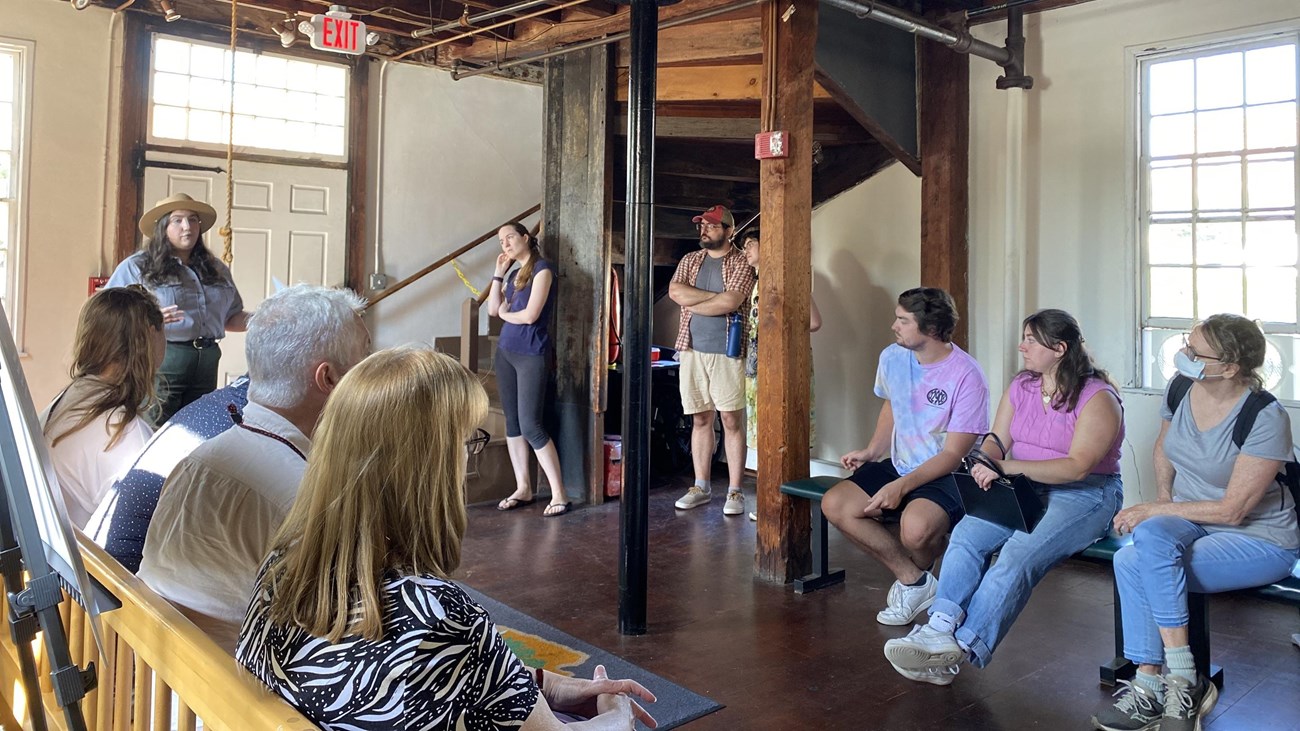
161	672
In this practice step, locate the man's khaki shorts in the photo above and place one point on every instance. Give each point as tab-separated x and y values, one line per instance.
710	381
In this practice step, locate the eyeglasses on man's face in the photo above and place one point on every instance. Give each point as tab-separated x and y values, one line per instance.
1191	353
709	226
476	443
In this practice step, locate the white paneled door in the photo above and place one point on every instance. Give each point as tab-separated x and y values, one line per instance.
289	224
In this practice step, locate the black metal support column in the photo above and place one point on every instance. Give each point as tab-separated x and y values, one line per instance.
634	544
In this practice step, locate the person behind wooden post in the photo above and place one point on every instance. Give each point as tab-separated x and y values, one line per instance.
95	427
749	245
354	620
712	286
936	403
524	300
1221	520
200	303
223	502
1063	425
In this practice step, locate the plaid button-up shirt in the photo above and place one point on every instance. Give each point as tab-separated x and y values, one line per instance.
737	276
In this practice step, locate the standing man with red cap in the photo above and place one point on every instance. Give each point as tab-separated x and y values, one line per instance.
711	286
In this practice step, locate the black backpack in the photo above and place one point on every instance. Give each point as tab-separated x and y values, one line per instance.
1255	403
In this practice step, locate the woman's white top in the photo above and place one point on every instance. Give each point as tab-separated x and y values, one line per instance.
84	463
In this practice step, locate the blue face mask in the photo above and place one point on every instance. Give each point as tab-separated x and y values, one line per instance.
1193	369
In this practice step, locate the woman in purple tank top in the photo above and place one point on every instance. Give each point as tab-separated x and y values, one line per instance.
1063	426
524	300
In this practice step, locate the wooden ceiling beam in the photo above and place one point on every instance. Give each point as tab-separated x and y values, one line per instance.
737	40
487	49
707	83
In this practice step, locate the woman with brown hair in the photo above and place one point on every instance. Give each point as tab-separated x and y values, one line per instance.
353	618
96	426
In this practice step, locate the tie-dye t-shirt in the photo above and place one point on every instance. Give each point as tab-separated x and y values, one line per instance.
929	401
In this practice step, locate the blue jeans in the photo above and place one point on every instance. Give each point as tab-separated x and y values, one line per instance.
986	600
1171	556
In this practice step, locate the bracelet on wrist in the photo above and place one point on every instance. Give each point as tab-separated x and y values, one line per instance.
539	674
499	279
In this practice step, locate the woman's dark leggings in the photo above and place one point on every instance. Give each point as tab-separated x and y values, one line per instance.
521	381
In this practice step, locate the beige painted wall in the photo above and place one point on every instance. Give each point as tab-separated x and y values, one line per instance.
459	158
66	194
1079	220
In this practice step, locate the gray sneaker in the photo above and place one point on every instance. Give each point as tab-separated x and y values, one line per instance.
694	498
1138	709
1187	703
735	504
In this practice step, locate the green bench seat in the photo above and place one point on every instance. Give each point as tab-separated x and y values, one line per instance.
812	489
1286	591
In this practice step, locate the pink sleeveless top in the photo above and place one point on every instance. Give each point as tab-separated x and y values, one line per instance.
1040	434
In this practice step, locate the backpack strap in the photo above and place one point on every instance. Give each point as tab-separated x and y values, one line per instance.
1255	403
1178	389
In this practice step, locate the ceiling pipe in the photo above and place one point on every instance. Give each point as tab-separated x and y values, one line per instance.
457	74
454	24
960	40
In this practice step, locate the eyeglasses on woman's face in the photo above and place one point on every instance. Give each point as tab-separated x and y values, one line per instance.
476	443
1191	352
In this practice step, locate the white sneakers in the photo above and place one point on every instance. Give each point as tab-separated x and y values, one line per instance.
906	603
926	655
697	496
933	676
735	504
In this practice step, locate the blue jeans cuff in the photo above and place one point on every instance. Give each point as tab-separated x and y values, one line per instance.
980	654
948	607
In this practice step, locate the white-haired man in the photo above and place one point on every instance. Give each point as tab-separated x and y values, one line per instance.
223	503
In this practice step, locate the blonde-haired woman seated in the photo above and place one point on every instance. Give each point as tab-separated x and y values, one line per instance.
95	428
353	619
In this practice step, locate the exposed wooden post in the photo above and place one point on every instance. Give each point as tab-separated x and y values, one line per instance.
575	236
354	257
469	334
945	170
133	111
785	287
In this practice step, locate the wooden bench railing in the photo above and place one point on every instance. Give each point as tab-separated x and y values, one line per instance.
157	666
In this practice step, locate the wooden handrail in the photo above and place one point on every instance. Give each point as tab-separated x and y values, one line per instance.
154	655
443	261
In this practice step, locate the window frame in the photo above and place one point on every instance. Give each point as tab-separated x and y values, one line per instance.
173	144
24	52
1140	58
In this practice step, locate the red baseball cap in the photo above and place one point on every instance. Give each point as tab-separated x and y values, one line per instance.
716	214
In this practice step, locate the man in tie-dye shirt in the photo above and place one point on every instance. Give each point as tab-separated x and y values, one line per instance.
936	404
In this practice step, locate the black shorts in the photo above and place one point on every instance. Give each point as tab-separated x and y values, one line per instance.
942	492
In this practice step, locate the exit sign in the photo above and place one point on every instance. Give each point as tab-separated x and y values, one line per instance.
338	33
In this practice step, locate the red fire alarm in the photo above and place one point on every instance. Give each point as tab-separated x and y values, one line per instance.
96	284
769	145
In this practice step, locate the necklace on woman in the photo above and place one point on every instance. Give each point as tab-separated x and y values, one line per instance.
1047	397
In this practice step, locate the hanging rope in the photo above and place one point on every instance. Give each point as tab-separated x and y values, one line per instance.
473	290
227	233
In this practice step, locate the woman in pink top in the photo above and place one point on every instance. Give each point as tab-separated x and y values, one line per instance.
1063	424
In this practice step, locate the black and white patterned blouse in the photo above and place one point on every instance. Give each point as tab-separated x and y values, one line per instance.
440	664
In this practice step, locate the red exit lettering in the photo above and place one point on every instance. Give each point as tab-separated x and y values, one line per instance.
342	35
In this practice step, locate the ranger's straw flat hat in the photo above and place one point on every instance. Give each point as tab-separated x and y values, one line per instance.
178	202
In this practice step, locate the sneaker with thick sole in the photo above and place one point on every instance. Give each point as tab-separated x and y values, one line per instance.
933	676
694	498
906	603
735	504
1138	709
924	648
1186	704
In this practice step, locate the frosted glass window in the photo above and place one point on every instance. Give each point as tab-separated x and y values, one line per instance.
1217	197
15	77
280	104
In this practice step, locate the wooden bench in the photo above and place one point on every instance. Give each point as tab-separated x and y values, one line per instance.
1286	591
812	489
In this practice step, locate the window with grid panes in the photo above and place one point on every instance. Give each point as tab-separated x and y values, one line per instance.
15	59
281	104
1218	199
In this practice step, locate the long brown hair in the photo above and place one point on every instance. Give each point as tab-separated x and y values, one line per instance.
114	343
382	491
1055	327
525	273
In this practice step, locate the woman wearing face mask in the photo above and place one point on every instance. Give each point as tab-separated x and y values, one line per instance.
1220	521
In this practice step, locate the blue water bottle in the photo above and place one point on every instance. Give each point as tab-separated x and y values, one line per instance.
735	331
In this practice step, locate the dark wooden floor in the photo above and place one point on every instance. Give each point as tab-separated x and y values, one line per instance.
782	661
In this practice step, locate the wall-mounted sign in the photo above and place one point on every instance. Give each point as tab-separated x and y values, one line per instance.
339	33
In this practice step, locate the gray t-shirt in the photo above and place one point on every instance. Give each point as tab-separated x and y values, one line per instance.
1204	460
709	334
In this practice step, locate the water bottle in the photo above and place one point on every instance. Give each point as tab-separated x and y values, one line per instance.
735	333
